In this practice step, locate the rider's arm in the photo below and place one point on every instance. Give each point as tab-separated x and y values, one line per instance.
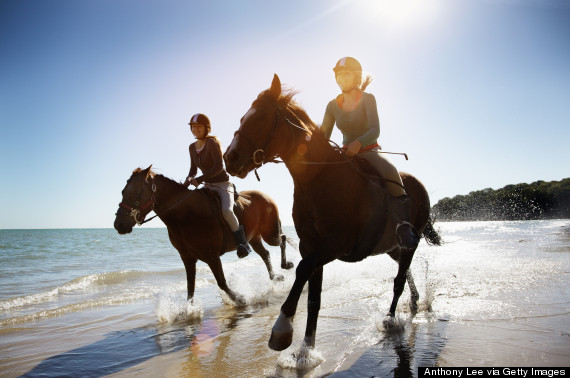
328	121
371	136
193	168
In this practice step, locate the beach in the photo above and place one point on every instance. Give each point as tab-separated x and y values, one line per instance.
495	294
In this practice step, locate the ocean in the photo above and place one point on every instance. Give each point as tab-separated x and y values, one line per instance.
91	303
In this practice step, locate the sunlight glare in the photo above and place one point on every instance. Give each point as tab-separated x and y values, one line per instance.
403	13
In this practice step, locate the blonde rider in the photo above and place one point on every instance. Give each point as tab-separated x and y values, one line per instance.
356	115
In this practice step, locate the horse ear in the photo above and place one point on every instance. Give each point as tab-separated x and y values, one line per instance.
148	172
275	89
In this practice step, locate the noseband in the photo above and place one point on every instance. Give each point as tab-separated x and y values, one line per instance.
135	211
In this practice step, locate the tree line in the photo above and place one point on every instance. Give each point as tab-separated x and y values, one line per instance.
539	200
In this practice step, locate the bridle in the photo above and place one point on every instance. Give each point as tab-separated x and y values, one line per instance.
136	211
258	157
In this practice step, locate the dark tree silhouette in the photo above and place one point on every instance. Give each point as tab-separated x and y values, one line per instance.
539	200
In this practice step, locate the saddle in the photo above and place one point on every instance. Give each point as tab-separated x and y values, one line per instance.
369	172
215	200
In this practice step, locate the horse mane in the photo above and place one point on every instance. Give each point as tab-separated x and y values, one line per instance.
286	102
152	174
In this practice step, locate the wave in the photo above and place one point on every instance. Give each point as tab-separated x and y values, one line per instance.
78	284
75	307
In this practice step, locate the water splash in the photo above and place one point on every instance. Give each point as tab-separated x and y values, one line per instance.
172	308
301	359
390	324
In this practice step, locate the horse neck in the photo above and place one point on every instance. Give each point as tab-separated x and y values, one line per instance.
167	193
303	161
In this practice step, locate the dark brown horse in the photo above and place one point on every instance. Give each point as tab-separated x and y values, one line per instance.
340	210
195	225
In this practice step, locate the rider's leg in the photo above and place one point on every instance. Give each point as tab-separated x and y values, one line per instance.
226	194
405	231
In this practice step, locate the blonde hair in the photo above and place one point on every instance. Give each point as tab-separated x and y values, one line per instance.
363	84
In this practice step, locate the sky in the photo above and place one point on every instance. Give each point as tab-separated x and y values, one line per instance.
476	92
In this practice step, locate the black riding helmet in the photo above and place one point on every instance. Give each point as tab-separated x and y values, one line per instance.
201	119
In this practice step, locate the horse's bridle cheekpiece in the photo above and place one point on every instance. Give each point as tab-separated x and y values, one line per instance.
135	211
262	160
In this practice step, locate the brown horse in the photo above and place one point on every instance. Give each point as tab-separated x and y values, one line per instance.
340	210
195	225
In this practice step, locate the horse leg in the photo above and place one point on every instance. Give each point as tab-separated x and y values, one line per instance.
313	306
405	259
190	266
258	247
283	245
282	332
414	294
216	266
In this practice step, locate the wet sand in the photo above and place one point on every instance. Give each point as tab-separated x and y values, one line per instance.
355	347
485	301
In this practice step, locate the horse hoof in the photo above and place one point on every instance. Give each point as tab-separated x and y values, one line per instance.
287	265
242	252
389	322
278	277
282	333
280	341
239	300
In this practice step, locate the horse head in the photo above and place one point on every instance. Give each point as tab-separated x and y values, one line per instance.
265	131
138	200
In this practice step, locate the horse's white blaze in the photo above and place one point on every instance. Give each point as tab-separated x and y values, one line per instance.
247	115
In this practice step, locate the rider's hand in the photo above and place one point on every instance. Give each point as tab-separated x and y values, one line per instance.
353	148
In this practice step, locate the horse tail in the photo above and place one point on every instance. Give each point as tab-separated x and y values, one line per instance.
430	233
290	241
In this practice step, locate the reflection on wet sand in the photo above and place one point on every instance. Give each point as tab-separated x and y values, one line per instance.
400	353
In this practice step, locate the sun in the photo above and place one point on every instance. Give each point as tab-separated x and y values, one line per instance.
403	13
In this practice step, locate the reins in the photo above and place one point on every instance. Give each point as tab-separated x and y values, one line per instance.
135	212
336	146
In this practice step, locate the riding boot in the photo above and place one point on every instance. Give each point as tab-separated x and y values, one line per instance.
405	231
242	246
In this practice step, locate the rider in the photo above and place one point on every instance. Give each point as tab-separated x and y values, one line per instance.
206	154
355	114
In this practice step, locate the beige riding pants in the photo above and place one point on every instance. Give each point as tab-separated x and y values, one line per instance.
386	170
225	191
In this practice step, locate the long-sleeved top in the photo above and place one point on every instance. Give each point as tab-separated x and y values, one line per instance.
362	123
210	162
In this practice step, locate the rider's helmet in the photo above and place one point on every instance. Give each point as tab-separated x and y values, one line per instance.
201	119
347	64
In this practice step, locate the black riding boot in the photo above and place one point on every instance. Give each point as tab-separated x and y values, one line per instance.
242	246
405	231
